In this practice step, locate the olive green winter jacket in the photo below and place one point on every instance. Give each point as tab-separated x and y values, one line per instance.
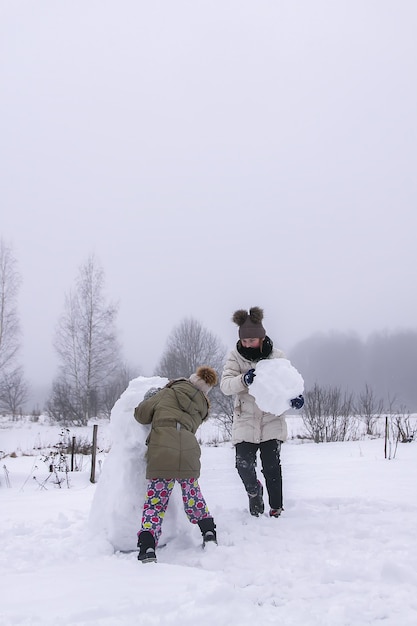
175	412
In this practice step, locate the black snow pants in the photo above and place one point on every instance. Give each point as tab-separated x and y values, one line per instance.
271	468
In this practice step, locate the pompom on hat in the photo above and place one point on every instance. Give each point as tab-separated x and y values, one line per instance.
250	324
204	378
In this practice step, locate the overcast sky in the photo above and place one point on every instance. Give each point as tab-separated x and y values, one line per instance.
213	155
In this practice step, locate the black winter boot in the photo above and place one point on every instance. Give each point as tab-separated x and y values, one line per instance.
256	501
146	545
208	530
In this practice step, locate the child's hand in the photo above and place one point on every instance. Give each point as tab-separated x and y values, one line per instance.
248	377
298	402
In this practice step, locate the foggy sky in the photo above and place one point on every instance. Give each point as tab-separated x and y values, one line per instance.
213	156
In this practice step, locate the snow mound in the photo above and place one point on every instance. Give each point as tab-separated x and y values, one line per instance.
116	509
275	384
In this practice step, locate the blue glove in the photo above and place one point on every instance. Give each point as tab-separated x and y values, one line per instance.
248	377
298	402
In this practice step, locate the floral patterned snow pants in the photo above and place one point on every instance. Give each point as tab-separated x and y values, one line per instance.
157	498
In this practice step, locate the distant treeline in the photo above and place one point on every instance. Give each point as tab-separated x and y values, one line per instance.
386	362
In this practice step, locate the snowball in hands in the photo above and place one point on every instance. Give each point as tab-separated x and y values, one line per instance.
276	382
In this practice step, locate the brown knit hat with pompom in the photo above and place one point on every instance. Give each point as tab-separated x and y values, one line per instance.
204	378
250	324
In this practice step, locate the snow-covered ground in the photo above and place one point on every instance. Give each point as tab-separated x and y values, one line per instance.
344	551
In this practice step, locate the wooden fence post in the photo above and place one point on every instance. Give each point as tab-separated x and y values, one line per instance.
72	454
93	455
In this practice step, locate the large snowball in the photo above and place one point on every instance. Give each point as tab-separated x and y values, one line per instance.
116	509
275	384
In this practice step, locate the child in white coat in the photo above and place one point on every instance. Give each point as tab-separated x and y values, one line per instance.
254	429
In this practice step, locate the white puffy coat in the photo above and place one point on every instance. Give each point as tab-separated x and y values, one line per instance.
249	422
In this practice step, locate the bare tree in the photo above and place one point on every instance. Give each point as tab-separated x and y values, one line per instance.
222	410
189	346
369	409
403	426
340	423
9	321
13	391
314	413
63	404
116	387
13	387
327	414
87	347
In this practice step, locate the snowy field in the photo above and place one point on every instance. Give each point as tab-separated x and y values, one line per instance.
344	551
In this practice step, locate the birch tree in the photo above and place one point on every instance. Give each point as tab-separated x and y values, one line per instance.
9	321
87	347
13	387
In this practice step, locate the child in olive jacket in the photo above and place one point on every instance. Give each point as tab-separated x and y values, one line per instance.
175	412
